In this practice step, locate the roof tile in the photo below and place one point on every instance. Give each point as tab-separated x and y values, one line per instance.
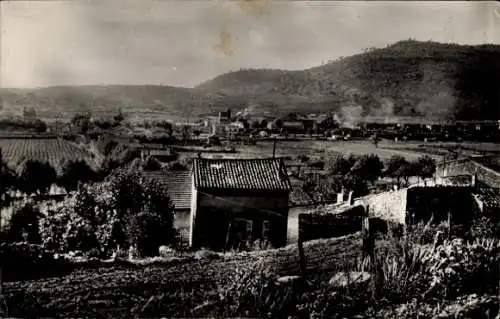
178	184
249	174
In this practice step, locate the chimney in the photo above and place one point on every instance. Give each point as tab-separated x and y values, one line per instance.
473	182
350	200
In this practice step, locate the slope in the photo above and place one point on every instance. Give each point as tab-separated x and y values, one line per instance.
140	102
408	78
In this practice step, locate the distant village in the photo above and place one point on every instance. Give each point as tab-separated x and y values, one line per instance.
331	126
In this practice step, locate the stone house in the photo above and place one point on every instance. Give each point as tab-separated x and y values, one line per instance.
237	201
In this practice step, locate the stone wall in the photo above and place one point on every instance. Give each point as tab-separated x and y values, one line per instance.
389	206
422	202
331	225
469	167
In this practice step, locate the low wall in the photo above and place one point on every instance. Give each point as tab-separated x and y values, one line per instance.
464	167
389	206
422	202
331	225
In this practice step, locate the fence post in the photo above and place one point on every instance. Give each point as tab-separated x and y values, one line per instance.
368	239
302	257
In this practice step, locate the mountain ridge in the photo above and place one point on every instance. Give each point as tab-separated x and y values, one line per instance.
408	78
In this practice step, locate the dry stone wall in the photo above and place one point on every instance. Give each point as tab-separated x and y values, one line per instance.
389	206
331	225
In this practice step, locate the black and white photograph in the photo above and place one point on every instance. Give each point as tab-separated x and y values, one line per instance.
249	159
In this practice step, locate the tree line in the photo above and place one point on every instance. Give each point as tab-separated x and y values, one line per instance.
357	173
35	177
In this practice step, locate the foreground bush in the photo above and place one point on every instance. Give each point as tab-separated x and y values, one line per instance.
125	209
23	224
24	261
438	276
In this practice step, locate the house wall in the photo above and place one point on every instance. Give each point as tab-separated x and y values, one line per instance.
193	214
293	222
325	225
214	211
182	222
390	206
463	167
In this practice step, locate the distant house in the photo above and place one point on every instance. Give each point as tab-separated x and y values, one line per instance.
325	122
178	184
158	151
237	201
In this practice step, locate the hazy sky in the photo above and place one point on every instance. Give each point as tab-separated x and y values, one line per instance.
183	43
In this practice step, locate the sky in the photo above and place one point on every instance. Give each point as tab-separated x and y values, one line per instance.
183	43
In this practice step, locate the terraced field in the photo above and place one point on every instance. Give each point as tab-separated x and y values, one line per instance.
52	150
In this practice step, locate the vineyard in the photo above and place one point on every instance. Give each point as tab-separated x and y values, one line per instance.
52	150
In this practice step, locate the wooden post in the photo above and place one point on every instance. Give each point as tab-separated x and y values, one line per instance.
368	239
449	224
302	256
274	148
227	236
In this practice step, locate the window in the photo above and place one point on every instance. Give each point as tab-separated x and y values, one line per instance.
249	228
265	229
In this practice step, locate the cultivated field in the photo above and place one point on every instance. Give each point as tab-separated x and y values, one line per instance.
119	291
385	150
52	150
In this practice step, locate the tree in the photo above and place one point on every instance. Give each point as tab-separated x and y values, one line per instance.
125	208
368	167
425	167
7	177
23	224
340	166
119	117
397	167
34	176
40	126
119	156
151	164
353	172
81	122
75	172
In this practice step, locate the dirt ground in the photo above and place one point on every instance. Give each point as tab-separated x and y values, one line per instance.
118	292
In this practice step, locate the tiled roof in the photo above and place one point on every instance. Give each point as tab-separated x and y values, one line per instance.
178	184
250	174
458	180
299	197
489	196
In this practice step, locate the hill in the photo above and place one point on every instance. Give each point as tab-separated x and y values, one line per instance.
408	78
137	102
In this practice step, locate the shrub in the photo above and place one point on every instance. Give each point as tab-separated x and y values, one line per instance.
152	163
253	292
24	222
458	266
123	209
24	261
